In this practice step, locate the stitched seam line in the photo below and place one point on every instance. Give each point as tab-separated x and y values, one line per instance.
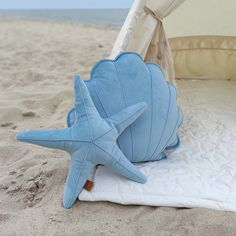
103	134
164	124
117	161
134	114
90	127
95	90
102	105
79	171
49	140
172	132
145	157
138	111
130	127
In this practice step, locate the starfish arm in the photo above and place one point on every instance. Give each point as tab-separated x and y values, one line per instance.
79	172
84	106
46	138
121	165
127	116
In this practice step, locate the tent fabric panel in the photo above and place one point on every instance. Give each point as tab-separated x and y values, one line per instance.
204	57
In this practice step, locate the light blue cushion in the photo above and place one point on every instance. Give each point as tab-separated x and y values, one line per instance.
91	140
117	84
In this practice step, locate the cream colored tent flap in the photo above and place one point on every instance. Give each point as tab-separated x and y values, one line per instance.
210	51
203	55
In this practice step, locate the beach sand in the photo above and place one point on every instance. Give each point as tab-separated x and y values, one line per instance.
38	60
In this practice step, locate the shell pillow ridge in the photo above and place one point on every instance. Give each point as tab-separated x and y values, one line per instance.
116	84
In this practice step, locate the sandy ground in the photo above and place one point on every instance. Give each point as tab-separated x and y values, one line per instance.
37	63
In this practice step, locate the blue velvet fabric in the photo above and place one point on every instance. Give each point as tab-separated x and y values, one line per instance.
127	80
91	140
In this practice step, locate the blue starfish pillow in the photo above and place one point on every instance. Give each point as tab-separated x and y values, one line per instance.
91	140
117	84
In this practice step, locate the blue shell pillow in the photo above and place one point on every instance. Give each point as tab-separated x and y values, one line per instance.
117	84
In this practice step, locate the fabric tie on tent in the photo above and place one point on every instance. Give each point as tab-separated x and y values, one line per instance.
143	32
159	50
153	47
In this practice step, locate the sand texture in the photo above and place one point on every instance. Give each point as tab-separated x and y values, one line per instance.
38	60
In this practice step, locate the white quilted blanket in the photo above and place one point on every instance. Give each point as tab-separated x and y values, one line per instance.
201	172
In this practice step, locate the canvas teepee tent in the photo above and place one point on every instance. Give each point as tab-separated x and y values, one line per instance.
203	36
203	41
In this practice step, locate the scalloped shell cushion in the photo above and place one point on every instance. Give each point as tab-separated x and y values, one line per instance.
127	80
